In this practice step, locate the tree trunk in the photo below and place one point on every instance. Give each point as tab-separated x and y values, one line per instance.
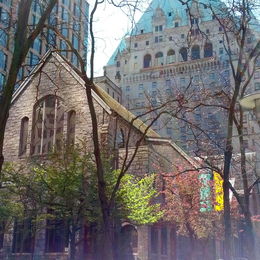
250	239
2	129
19	54
72	255
192	242
107	252
226	174
105	204
245	207
192	248
227	218
22	45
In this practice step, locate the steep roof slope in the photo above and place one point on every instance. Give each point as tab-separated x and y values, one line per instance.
173	10
124	113
103	99
100	96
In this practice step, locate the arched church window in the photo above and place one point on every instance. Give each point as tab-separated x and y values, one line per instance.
159	59
121	139
154	239
47	131
23	135
23	236
71	127
147	60
129	241
183	54
56	234
171	56
164	241
195	52
208	50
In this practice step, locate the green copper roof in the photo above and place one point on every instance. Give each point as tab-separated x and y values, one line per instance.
120	48
173	10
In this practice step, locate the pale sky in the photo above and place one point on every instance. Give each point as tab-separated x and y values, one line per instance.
110	25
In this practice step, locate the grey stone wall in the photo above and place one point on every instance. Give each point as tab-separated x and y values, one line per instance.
53	79
59	80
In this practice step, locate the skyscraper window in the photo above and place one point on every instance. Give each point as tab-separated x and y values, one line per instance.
147	60
257	86
208	50
2	80
33	59
182	82
65	31
75	41
3	60
3	38
183	54
37	45
65	2
159	60
195	52
76	10
158	28
4	16
64	14
171	56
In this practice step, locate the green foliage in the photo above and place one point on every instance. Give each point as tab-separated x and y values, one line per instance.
62	181
136	195
65	183
9	207
185	195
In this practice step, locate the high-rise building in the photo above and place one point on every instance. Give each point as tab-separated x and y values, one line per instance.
177	50
177	53
70	16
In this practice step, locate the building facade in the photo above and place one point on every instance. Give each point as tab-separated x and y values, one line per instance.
111	88
176	50
31	134
71	17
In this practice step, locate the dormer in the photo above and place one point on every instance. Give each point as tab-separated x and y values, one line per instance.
159	20
176	19
194	11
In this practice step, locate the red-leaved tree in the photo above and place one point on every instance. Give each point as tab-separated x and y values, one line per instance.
190	204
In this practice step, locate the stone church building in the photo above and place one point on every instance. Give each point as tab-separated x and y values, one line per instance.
51	105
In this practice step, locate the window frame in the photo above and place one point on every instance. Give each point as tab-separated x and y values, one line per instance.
43	135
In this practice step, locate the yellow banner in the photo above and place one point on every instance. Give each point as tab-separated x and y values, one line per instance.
219	194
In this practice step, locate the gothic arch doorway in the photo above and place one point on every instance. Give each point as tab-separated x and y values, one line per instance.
128	242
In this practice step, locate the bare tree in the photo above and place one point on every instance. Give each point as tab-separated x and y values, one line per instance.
242	48
23	40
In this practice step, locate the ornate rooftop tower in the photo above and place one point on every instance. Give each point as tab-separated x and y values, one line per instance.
172	49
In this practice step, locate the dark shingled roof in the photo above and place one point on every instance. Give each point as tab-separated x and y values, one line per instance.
124	113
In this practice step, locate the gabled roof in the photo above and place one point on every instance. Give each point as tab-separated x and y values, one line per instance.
106	101
124	113
119	49
100	96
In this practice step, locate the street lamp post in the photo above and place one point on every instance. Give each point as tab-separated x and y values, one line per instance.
252	102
